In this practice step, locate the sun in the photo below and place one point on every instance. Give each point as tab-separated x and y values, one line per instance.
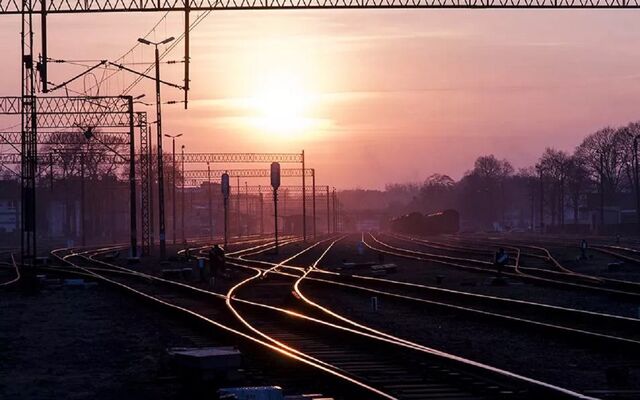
282	106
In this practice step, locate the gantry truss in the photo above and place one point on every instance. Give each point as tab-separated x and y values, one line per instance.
75	112
203	175
257	189
238	157
189	158
52	117
93	6
64	138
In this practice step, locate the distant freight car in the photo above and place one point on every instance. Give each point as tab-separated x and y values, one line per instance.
447	221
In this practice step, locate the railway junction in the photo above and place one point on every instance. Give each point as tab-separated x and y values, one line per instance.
128	271
407	317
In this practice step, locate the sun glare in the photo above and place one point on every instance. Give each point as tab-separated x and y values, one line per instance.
282	106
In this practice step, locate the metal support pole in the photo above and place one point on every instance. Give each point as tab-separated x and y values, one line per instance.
275	220
44	61
238	224
246	205
601	193
210	202
541	202
304	201
173	188
562	197
82	202
163	245
636	179
145	184
313	199
226	222
29	148
132	183
184	234
328	213
186	54
335	215
151	180
261	214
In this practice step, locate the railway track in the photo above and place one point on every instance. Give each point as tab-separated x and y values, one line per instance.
348	355
623	289
561	272
590	328
420	390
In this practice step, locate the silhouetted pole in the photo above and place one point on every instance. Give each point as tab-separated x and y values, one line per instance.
313	197
541	201
304	201
184	235
335	212
173	182
275	217
261	213
163	244
210	202
161	222
246	205
637	183
275	184
82	202
224	186
562	166
601	193
226	223
238	223
328	213
151	181
173	190
133	229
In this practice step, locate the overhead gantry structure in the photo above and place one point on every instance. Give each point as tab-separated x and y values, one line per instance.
93	6
33	66
197	177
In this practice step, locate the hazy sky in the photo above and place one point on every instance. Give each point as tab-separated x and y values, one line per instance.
374	96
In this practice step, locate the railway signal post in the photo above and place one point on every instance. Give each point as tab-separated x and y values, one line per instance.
225	194
275	184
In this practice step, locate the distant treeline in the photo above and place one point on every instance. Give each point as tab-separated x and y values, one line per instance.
494	193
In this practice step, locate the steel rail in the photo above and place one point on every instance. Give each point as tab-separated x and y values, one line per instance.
331	371
617	283
521	276
365	330
547	257
558	390
383	335
565	329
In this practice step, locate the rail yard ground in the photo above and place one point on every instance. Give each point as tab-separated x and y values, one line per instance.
379	315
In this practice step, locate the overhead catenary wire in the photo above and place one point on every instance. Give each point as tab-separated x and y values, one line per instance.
169	48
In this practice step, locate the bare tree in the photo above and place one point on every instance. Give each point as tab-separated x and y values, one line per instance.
578	183
554	164
437	192
483	189
605	157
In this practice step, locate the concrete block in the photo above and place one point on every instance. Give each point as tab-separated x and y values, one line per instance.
207	358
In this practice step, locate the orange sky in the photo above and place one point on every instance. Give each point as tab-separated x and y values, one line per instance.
375	96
